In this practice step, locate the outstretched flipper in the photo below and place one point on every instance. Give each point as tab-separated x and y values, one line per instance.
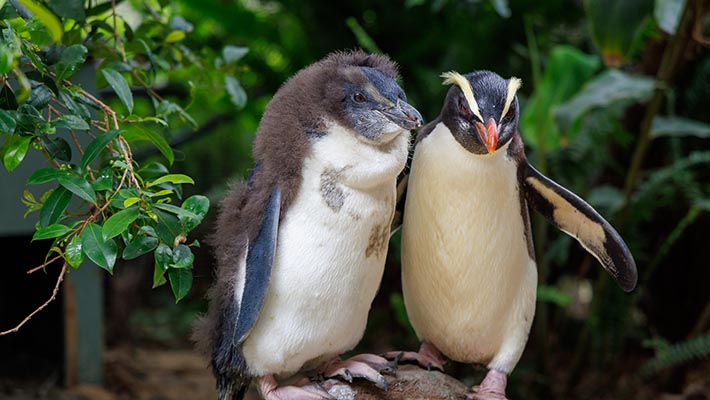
243	308
578	219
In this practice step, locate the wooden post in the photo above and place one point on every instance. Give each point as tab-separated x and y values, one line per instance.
83	325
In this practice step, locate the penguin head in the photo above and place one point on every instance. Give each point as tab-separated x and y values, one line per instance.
354	89
481	110
360	92
371	103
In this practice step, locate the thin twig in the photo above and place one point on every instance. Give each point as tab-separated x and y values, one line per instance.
35	269
40	308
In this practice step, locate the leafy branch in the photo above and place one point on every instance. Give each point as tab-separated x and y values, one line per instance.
99	202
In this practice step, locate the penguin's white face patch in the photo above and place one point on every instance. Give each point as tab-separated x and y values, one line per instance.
513	86
454	78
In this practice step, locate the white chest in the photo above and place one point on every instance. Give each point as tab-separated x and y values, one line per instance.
330	255
466	267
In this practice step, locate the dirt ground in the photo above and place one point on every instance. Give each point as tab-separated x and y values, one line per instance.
160	374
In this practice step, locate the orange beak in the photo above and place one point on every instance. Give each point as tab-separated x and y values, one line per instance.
488	134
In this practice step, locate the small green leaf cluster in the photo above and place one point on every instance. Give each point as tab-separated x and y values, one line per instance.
97	201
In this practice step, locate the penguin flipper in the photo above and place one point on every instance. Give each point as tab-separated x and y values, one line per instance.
238	318
259	261
577	218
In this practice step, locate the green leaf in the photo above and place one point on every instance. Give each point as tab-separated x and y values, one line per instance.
6	59
73	9
104	180
130	201
175	36
73	253
40	97
97	146
54	206
163	256
154	137
182	257
609	88
120	86
168	227
677	126
667	14
139	246
551	294
566	71
197	204
49	20
158	276
44	175
153	169
236	92
27	117
51	232
15	151
101	252
57	148
77	108
233	53
181	213
119	222
79	186
172	178
7	122
364	39
614	26
69	62
71	121
180	282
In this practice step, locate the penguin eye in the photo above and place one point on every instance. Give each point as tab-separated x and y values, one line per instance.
359	97
463	109
510	111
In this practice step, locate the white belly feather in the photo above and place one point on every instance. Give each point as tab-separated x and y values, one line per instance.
330	255
468	281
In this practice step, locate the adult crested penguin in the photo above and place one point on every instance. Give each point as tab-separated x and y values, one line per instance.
468	267
301	246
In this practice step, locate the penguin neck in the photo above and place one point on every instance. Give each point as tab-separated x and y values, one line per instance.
358	164
460	163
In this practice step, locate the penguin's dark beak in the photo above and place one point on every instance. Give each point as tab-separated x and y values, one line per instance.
404	115
488	134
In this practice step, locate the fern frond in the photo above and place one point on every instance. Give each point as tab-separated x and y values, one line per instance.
679	353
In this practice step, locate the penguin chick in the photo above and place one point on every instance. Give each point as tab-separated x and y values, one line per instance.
468	266
300	247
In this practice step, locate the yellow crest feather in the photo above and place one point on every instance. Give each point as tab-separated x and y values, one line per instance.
513	86
454	78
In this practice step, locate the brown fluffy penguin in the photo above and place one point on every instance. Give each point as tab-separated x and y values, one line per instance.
468	267
301	245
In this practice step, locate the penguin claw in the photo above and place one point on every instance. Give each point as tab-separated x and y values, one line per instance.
428	357
304	390
365	366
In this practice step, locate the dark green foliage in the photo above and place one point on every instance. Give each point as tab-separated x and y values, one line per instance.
697	348
123	204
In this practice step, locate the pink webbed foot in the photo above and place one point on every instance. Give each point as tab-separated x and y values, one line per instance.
270	390
491	388
366	366
427	357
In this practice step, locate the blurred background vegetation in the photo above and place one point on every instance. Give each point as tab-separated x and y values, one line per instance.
615	103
